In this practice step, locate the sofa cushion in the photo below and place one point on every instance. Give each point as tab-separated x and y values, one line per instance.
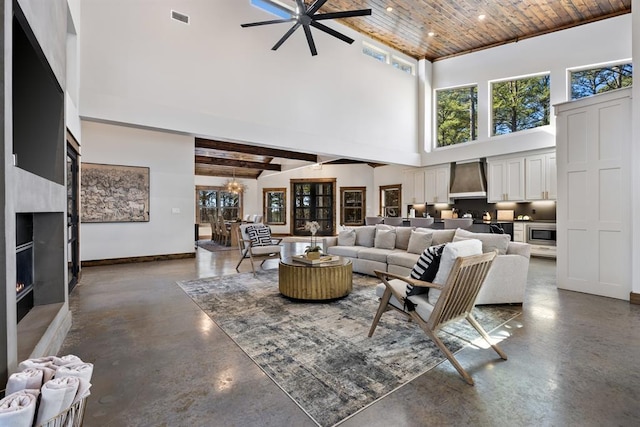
374	254
442	236
402	259
260	235
490	241
345	251
403	234
347	238
421	304
385	239
419	241
452	251
365	235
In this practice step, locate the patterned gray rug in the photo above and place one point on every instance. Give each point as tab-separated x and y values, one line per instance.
212	246
319	353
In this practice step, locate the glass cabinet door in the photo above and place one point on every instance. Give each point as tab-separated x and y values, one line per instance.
313	200
353	205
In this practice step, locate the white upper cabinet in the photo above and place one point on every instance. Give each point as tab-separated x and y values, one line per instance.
413	187
506	180
436	184
541	176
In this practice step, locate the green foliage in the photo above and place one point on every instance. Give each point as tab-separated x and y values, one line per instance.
520	104
456	115
600	80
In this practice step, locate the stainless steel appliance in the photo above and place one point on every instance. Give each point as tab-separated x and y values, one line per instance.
539	233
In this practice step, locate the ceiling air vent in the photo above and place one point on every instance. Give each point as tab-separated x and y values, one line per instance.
179	17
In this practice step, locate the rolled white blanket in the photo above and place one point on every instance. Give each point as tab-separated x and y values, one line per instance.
79	370
30	378
50	361
19	408
57	396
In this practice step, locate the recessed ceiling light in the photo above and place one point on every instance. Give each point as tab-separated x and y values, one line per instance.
431	34
482	17
389	9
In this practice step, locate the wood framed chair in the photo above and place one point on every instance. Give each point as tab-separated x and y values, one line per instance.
224	232
455	302
252	249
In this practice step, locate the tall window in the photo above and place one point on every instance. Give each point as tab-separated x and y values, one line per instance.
390	200
274	205
598	80
216	201
353	202
520	104
456	115
314	200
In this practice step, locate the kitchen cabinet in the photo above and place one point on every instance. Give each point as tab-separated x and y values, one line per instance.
506	180
436	184
413	186
518	232
541	177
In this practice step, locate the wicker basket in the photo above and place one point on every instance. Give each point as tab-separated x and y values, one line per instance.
72	417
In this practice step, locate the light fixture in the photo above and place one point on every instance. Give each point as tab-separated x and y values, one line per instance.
482	17
234	186
389	9
431	34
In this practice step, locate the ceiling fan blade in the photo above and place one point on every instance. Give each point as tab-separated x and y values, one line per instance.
312	45
274	21
315	6
302	7
345	14
332	32
286	36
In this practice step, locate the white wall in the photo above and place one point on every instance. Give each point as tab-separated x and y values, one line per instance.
635	155
602	41
212	78
356	175
171	162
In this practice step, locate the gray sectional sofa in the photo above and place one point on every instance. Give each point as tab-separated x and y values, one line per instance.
396	250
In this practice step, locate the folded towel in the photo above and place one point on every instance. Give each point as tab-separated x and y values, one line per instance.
53	362
80	370
19	408
57	396
30	378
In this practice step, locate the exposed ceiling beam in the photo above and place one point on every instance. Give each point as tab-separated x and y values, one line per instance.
237	163
250	149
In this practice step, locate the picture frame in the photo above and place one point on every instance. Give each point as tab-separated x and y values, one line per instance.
114	193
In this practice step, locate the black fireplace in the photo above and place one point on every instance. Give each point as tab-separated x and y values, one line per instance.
24	264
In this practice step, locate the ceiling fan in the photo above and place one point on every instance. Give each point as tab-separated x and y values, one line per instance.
307	17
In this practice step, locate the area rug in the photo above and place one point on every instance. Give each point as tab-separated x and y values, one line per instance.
212	246
319	353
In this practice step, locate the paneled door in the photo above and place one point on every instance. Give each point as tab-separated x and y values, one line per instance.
313	200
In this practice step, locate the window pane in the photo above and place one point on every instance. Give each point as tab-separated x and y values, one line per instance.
599	80
456	115
520	104
374	53
271	7
402	66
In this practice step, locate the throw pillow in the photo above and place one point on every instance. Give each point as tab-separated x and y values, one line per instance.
490	242
426	268
347	238
365	235
385	239
260	235
418	242
452	251
403	234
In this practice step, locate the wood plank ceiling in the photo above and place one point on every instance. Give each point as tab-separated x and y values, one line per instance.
422	29
456	26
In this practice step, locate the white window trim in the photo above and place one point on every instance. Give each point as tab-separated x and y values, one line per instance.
434	109
376	49
591	67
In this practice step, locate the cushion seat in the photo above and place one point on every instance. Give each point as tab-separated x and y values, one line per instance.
403	259
375	254
264	250
345	251
423	308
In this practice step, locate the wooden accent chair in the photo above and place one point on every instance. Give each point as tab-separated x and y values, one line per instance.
455	302
251	251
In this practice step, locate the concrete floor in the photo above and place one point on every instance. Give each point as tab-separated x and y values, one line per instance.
160	361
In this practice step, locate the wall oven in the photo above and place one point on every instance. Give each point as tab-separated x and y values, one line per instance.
541	234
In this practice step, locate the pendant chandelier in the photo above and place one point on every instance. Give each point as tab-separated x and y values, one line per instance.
234	186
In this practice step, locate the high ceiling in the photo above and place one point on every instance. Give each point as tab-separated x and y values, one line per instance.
457	29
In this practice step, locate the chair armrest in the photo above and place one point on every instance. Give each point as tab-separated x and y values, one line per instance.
276	241
384	275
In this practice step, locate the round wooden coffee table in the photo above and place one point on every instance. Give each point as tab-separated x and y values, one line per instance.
316	282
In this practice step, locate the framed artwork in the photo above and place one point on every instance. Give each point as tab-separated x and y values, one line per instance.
113	193
275	203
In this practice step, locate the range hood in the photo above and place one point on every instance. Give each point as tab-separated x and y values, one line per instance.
468	180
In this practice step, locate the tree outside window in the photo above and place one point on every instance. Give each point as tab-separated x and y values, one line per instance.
456	115
520	104
214	202
599	80
274	205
